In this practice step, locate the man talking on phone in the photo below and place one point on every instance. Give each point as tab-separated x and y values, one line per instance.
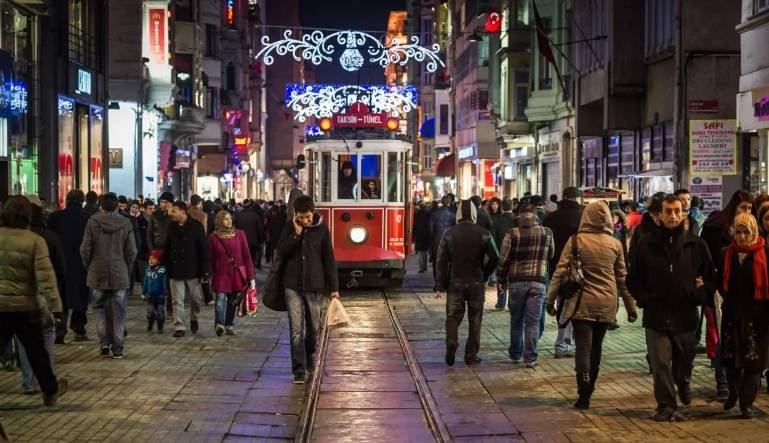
310	274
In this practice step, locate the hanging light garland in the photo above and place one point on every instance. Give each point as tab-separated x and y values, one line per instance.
318	48
322	100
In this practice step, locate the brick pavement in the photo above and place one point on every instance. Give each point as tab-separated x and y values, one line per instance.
497	401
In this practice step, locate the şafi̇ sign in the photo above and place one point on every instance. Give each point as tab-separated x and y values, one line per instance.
712	147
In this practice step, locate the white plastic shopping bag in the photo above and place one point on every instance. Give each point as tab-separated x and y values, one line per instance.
337	316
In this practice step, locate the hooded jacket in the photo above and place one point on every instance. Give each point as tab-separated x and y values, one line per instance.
525	251
466	253
108	251
308	258
603	266
664	267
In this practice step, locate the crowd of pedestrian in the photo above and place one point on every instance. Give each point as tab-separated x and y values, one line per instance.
688	273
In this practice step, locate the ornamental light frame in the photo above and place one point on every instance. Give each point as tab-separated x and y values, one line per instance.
318	48
324	100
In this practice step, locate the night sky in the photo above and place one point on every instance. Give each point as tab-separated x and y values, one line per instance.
368	15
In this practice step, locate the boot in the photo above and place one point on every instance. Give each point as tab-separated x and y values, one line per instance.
584	389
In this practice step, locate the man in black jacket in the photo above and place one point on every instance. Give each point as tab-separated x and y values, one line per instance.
441	220
502	224
310	273
484	219
564	222
251	221
157	230
466	259
671	274
186	252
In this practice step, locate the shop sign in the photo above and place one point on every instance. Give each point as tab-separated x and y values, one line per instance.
157	35
706	106
182	158
712	147
13	93
83	82
229	12
66	105
710	190
761	109
466	152
116	157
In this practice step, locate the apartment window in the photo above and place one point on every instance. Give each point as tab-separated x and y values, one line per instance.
483	52
443	120
230	77
211	103
521	101
504	101
660	15
212	41
185	10
760	6
545	69
522	16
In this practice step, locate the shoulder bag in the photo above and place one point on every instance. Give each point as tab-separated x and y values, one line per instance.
574	284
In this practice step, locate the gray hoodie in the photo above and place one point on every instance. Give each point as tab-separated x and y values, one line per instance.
108	251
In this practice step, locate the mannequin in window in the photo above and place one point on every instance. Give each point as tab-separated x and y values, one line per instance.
347	181
370	190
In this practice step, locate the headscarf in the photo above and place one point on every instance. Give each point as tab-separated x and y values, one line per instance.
219	229
756	247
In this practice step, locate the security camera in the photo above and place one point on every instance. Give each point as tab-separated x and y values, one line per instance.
359	144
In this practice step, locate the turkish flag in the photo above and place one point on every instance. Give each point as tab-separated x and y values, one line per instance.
493	21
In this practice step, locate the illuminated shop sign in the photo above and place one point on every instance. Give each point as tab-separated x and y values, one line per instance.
229	12
466	152
157	35
14	98
761	109
66	105
83	82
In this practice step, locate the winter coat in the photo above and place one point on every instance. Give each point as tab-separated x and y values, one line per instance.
276	222
69	224
502	224
157	231
154	284
564	222
603	267
646	226
142	225
198	214
745	320
466	254
309	259
108	251
441	220
664	267
186	252
135	230
525	252
422	230
53	243
251	221
27	278
716	237
484	220
224	277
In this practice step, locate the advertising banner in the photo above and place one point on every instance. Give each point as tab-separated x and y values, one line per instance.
710	190
157	35
712	147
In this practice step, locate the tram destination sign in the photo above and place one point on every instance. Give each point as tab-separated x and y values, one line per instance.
359	116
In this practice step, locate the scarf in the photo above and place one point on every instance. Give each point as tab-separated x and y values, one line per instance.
219	229
760	274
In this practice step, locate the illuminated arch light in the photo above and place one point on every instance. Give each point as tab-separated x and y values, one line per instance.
318	48
322	100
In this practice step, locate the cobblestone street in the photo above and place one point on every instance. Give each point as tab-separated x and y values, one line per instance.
208	388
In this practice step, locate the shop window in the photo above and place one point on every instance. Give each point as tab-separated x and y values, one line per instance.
347	177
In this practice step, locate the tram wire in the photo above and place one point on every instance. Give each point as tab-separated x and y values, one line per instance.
429	406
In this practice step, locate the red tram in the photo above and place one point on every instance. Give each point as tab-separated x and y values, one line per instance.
359	186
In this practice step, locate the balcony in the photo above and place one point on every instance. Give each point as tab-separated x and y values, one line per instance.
183	120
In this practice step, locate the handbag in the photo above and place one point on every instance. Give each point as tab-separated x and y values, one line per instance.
246	287
575	278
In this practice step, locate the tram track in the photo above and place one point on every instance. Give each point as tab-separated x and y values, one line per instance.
307	421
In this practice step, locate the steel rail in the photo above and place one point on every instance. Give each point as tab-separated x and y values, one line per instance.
307	417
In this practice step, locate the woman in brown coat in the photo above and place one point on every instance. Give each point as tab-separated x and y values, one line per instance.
593	309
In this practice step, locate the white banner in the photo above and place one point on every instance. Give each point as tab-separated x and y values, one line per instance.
712	147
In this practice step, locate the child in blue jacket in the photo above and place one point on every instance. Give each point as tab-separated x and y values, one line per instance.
154	290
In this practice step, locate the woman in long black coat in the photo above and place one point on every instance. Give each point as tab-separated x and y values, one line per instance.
745	320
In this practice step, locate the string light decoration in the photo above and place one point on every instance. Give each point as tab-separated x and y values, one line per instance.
318	48
324	100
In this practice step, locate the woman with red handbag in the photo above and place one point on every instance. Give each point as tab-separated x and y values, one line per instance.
232	271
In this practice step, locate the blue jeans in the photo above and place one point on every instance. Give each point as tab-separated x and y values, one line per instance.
525	303
28	379
224	310
422	260
501	298
304	317
109	307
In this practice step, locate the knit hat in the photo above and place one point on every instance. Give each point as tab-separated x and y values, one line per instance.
167	196
157	253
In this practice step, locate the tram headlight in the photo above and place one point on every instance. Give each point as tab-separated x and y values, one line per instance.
358	234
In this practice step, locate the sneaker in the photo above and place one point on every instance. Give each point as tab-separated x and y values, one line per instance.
80	338
231	331
531	364
219	330
179	333
51	400
517	361
748	413
194	326
118	356
298	379
104	351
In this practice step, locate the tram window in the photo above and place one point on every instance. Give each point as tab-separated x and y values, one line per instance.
392	177
371	177
325	177
347	177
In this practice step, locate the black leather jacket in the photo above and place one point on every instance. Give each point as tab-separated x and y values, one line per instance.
466	255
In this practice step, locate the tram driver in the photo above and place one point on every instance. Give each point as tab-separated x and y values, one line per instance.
347	182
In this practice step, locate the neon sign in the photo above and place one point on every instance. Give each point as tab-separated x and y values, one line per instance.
229	12
761	109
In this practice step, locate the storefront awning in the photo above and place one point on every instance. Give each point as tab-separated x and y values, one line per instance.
446	167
